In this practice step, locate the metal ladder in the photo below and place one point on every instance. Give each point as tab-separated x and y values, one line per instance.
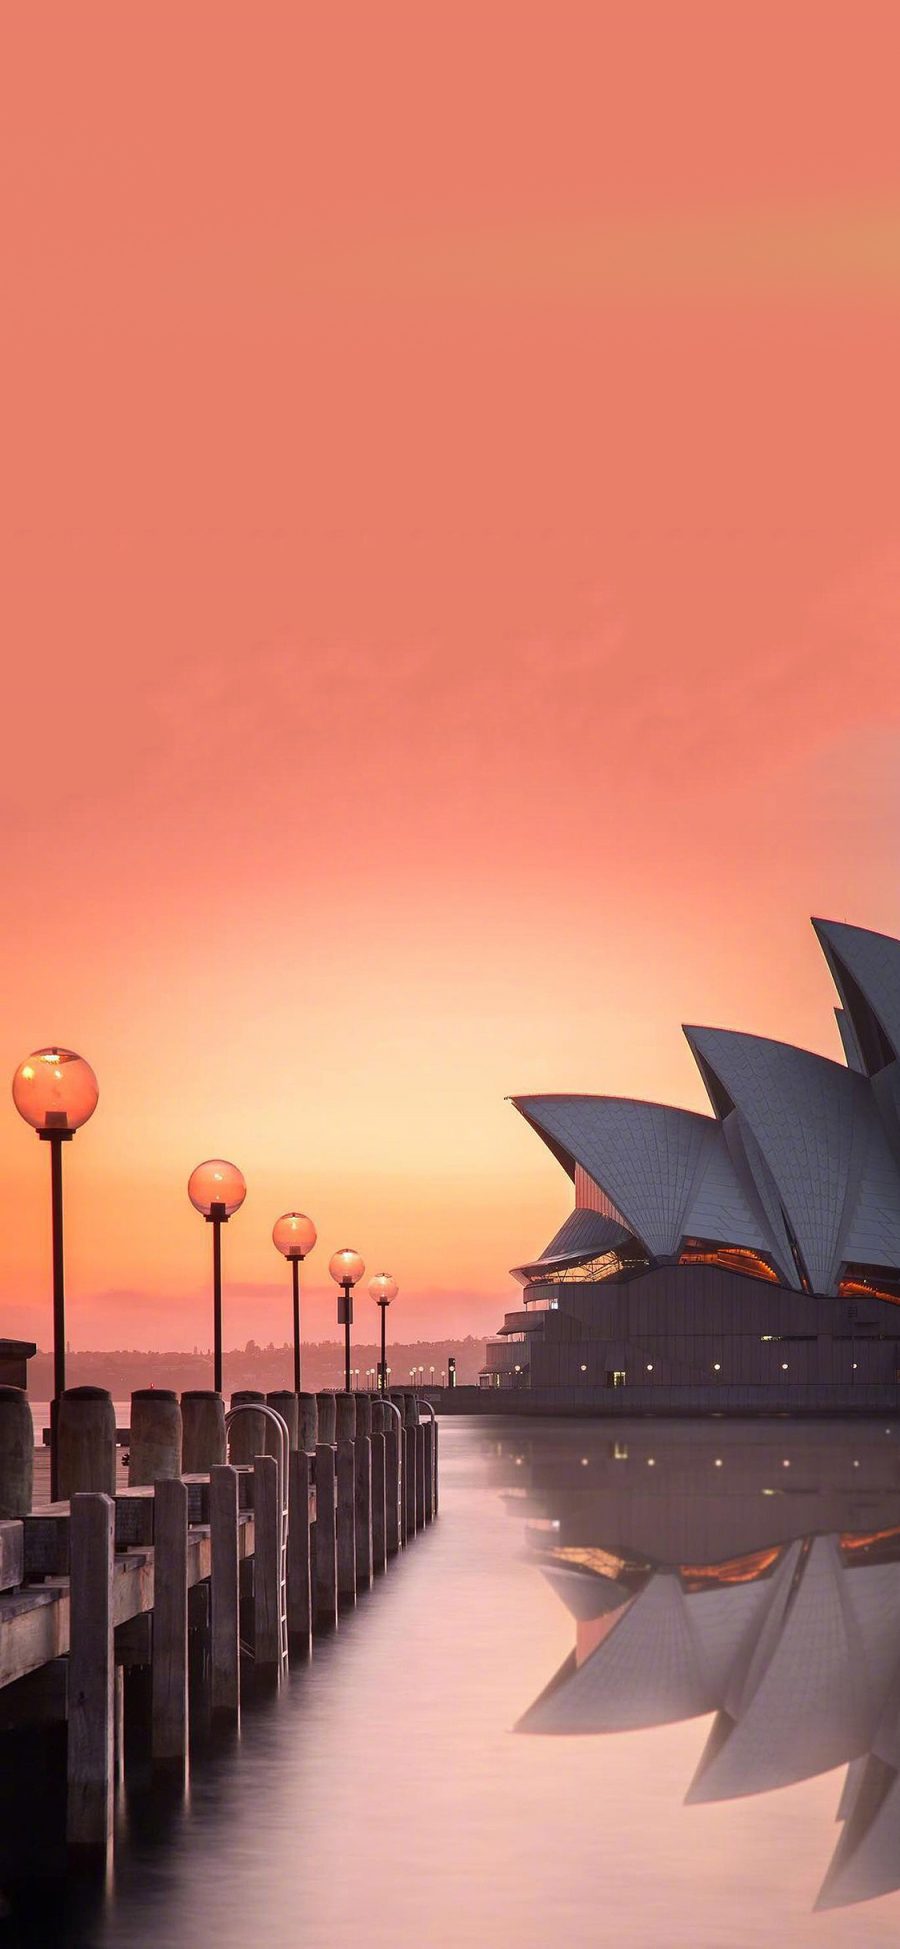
284	1448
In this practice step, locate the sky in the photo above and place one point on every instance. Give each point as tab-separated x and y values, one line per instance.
450	529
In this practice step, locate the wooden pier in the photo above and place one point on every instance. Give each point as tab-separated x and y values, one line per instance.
261	1556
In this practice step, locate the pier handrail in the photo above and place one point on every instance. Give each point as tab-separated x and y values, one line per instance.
284	1449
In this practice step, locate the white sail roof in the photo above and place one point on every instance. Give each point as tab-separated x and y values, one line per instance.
651	1160
808	1116
807	1703
866	970
649	1671
801	1159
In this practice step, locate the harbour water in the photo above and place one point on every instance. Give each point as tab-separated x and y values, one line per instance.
616	1593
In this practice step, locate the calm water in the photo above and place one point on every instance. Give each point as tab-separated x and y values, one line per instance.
616	1593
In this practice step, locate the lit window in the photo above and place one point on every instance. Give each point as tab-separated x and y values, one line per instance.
785	1465
784	1366
584	1461
651	1462
717	1366
584	1367
855	1365
718	1461
649	1366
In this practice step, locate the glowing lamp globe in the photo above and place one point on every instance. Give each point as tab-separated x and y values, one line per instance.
55	1090
383	1288
294	1234
216	1183
346	1267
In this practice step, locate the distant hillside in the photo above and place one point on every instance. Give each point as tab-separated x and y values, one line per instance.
252	1366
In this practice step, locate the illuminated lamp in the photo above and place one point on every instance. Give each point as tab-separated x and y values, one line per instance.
346	1269
55	1091
217	1190
383	1288
294	1235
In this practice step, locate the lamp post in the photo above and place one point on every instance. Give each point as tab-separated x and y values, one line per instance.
295	1235
217	1189
346	1269
56	1092
383	1289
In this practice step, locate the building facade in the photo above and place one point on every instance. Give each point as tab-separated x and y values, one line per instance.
749	1258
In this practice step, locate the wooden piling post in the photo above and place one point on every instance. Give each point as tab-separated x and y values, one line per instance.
90	1763
428	1468
169	1728
266	1563
435	1491
225	1634
16	1452
203	1430
299	1586
86	1437
155	1445
379	1502
285	1404
247	1433
420	1475
346	1521
118	1725
409	1482
326	1405
399	1401
325	1537
307	1422
363	1504
393	1526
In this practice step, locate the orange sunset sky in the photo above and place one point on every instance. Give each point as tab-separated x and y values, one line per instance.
451	599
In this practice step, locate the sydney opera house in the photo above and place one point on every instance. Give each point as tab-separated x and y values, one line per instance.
745	1259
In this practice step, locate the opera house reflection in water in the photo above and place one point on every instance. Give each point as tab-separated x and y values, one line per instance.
750	1571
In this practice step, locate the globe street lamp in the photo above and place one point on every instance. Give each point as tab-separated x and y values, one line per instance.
383	1289
217	1189
295	1235
346	1268
56	1092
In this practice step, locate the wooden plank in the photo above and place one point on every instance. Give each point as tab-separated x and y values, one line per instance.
225	1646
379	1505
134	1518
34	1623
169	1719
325	1538
45	1540
299	1564
363	1505
346	1522
12	1554
198	1492
34	1627
266	1563
89	1813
